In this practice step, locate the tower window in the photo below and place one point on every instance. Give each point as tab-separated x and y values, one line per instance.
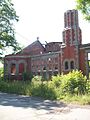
72	64
66	65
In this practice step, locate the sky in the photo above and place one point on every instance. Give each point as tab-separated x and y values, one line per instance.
44	19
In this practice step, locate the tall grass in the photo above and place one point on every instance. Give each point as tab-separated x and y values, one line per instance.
72	87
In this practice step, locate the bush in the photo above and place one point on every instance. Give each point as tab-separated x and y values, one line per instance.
88	87
56	81
70	87
37	78
27	76
1	72
72	83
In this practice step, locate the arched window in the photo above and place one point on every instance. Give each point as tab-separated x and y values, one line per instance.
72	64
66	65
13	68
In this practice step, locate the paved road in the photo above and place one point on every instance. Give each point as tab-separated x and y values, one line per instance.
14	107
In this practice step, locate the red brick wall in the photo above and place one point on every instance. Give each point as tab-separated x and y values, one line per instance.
69	52
34	49
22	62
28	60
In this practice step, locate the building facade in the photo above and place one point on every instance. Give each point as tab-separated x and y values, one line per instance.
54	57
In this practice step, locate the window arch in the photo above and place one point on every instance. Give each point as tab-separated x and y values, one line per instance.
21	66
72	64
66	65
69	64
13	68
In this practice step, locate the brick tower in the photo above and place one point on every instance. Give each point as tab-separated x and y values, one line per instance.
72	38
72	31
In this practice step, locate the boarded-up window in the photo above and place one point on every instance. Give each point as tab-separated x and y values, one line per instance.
21	67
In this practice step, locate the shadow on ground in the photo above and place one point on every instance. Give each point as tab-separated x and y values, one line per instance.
26	102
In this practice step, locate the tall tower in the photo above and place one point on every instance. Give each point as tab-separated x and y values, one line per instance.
72	38
72	31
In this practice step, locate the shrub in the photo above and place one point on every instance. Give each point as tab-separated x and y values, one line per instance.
27	76
70	87
56	81
74	83
1	72
88	86
37	78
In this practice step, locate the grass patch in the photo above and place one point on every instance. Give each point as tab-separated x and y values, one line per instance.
77	99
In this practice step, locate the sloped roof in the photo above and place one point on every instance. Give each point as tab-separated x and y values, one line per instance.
29	48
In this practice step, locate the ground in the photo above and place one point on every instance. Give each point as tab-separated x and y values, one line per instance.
17	107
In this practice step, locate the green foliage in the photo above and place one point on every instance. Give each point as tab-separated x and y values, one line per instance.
1	72
27	76
72	83
42	90
84	7
28	88
56	81
7	33
11	87
72	87
77	99
37	78
88	86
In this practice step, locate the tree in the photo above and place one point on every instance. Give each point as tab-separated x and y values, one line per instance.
7	33
84	7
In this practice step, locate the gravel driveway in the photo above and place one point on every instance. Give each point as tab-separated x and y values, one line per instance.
16	107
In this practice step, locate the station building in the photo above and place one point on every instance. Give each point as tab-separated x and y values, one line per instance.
54	57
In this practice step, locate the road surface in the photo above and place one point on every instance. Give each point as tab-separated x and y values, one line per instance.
17	107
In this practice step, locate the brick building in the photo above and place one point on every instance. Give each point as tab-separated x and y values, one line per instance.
54	57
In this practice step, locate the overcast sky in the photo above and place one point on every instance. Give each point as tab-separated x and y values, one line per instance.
44	19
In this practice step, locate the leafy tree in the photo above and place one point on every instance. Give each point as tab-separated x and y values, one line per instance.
84	7
7	33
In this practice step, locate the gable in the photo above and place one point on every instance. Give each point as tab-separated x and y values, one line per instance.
34	48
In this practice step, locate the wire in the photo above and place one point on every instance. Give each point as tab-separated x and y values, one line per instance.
21	36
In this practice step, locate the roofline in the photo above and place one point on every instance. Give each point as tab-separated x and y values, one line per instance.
85	46
28	56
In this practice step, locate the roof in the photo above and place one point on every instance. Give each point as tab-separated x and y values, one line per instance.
85	46
35	44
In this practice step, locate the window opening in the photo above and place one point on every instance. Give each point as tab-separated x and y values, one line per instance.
72	64
66	65
13	69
